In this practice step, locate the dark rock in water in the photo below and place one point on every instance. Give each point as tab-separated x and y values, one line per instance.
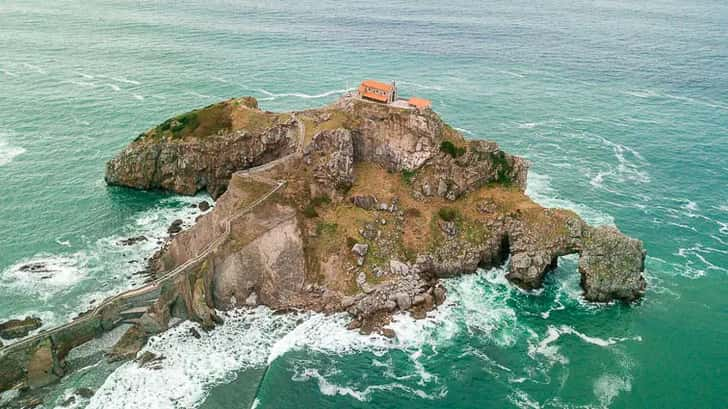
354	324
216	319
366	202
132	240
35	268
68	402
439	294
85	393
204	206
193	205
195	333
176	227
388	332
146	358
19	328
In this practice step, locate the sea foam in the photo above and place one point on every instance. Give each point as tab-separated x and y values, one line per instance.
8	152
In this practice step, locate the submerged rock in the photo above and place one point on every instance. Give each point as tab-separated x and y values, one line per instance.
132	240
175	227
85	393
35	268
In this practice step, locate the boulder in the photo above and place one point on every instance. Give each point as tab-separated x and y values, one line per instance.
439	294
331	155
132	240
398	268
175	227
85	393
360	249
404	302
366	202
204	206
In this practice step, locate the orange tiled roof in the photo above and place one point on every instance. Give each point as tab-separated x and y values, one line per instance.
377	85
419	102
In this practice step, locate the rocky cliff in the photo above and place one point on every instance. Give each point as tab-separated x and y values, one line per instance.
362	208
201	149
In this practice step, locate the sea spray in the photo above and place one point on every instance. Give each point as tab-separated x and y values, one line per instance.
97	270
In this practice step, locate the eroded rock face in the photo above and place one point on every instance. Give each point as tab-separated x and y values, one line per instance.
331	154
611	266
190	161
481	164
268	270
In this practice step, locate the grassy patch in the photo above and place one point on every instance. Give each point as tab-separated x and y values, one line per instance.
310	209
408	176
452	150
503	169
448	214
326	228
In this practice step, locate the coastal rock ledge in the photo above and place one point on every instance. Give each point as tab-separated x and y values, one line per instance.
354	207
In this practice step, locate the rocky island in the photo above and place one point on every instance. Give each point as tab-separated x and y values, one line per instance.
355	207
359	207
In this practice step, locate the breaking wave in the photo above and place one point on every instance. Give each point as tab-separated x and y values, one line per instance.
8	152
98	270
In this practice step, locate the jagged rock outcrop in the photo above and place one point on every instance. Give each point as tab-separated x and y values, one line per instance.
331	156
201	149
611	266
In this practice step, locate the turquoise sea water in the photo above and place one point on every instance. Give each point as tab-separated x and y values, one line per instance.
621	106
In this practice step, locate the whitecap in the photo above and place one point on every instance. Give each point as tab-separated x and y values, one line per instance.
521	400
35	68
8	73
329	388
8	152
642	93
105	265
137	96
84	84
113	87
124	80
607	387
696	101
45	274
191	366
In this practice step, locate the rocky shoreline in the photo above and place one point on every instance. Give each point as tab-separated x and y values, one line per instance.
356	207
